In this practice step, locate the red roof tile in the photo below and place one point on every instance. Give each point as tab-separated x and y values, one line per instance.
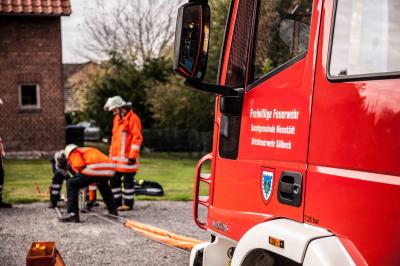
36	7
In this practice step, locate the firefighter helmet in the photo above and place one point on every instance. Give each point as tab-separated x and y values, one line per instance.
69	149
115	102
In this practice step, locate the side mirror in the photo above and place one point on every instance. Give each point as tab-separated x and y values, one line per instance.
191	40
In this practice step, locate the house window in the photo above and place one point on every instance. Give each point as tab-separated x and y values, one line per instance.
29	96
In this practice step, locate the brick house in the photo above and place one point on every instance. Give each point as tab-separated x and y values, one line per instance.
31	77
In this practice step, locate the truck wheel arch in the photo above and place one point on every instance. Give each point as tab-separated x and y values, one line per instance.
301	244
294	235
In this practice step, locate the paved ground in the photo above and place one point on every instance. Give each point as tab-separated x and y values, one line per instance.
96	241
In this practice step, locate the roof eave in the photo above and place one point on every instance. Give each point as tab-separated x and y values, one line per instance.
35	15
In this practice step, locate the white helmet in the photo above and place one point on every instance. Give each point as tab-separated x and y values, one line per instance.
115	102
69	149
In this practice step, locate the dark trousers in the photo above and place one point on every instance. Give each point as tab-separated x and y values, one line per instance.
79	181
1	179
56	185
126	195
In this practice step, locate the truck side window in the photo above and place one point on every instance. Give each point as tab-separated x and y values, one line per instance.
236	71
281	34
366	38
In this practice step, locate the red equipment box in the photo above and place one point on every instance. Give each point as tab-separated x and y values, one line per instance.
44	254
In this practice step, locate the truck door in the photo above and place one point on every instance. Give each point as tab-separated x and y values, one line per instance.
353	182
261	152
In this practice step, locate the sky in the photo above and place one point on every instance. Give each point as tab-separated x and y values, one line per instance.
72	30
73	26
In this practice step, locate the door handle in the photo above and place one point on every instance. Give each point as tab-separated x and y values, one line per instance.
290	188
286	188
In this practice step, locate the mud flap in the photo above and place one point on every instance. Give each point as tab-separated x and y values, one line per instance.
143	187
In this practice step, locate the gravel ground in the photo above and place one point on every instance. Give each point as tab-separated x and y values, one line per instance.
95	241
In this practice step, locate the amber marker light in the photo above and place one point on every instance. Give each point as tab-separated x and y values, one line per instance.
276	242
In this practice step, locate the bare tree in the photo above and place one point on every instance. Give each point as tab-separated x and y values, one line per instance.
141	28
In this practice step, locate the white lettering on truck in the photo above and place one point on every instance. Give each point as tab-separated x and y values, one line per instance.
272	128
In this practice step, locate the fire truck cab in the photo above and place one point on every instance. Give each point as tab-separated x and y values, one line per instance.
305	165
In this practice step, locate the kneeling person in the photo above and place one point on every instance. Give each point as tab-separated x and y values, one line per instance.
89	165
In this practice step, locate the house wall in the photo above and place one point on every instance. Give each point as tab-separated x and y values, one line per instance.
30	52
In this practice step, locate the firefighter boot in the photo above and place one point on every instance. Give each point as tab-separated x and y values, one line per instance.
5	205
70	218
114	212
124	208
53	199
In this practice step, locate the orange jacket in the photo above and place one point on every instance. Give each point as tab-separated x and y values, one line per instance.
126	141
91	162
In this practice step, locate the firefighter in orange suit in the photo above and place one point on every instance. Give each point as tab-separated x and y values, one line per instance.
124	150
88	165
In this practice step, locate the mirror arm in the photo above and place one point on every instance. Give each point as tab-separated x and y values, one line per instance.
211	88
204	2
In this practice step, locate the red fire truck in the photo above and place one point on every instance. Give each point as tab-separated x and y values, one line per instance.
305	165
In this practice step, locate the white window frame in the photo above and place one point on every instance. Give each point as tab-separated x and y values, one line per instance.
37	106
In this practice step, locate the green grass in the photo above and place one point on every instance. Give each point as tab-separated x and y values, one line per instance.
175	172
20	179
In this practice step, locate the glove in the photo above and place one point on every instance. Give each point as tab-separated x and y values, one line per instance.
131	161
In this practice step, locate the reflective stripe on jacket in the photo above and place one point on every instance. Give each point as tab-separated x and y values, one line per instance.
126	141
91	162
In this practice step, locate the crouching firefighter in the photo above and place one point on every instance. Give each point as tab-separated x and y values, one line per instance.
89	165
59	167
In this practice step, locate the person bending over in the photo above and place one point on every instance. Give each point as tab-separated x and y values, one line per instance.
89	165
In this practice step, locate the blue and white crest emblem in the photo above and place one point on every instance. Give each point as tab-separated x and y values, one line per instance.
266	180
